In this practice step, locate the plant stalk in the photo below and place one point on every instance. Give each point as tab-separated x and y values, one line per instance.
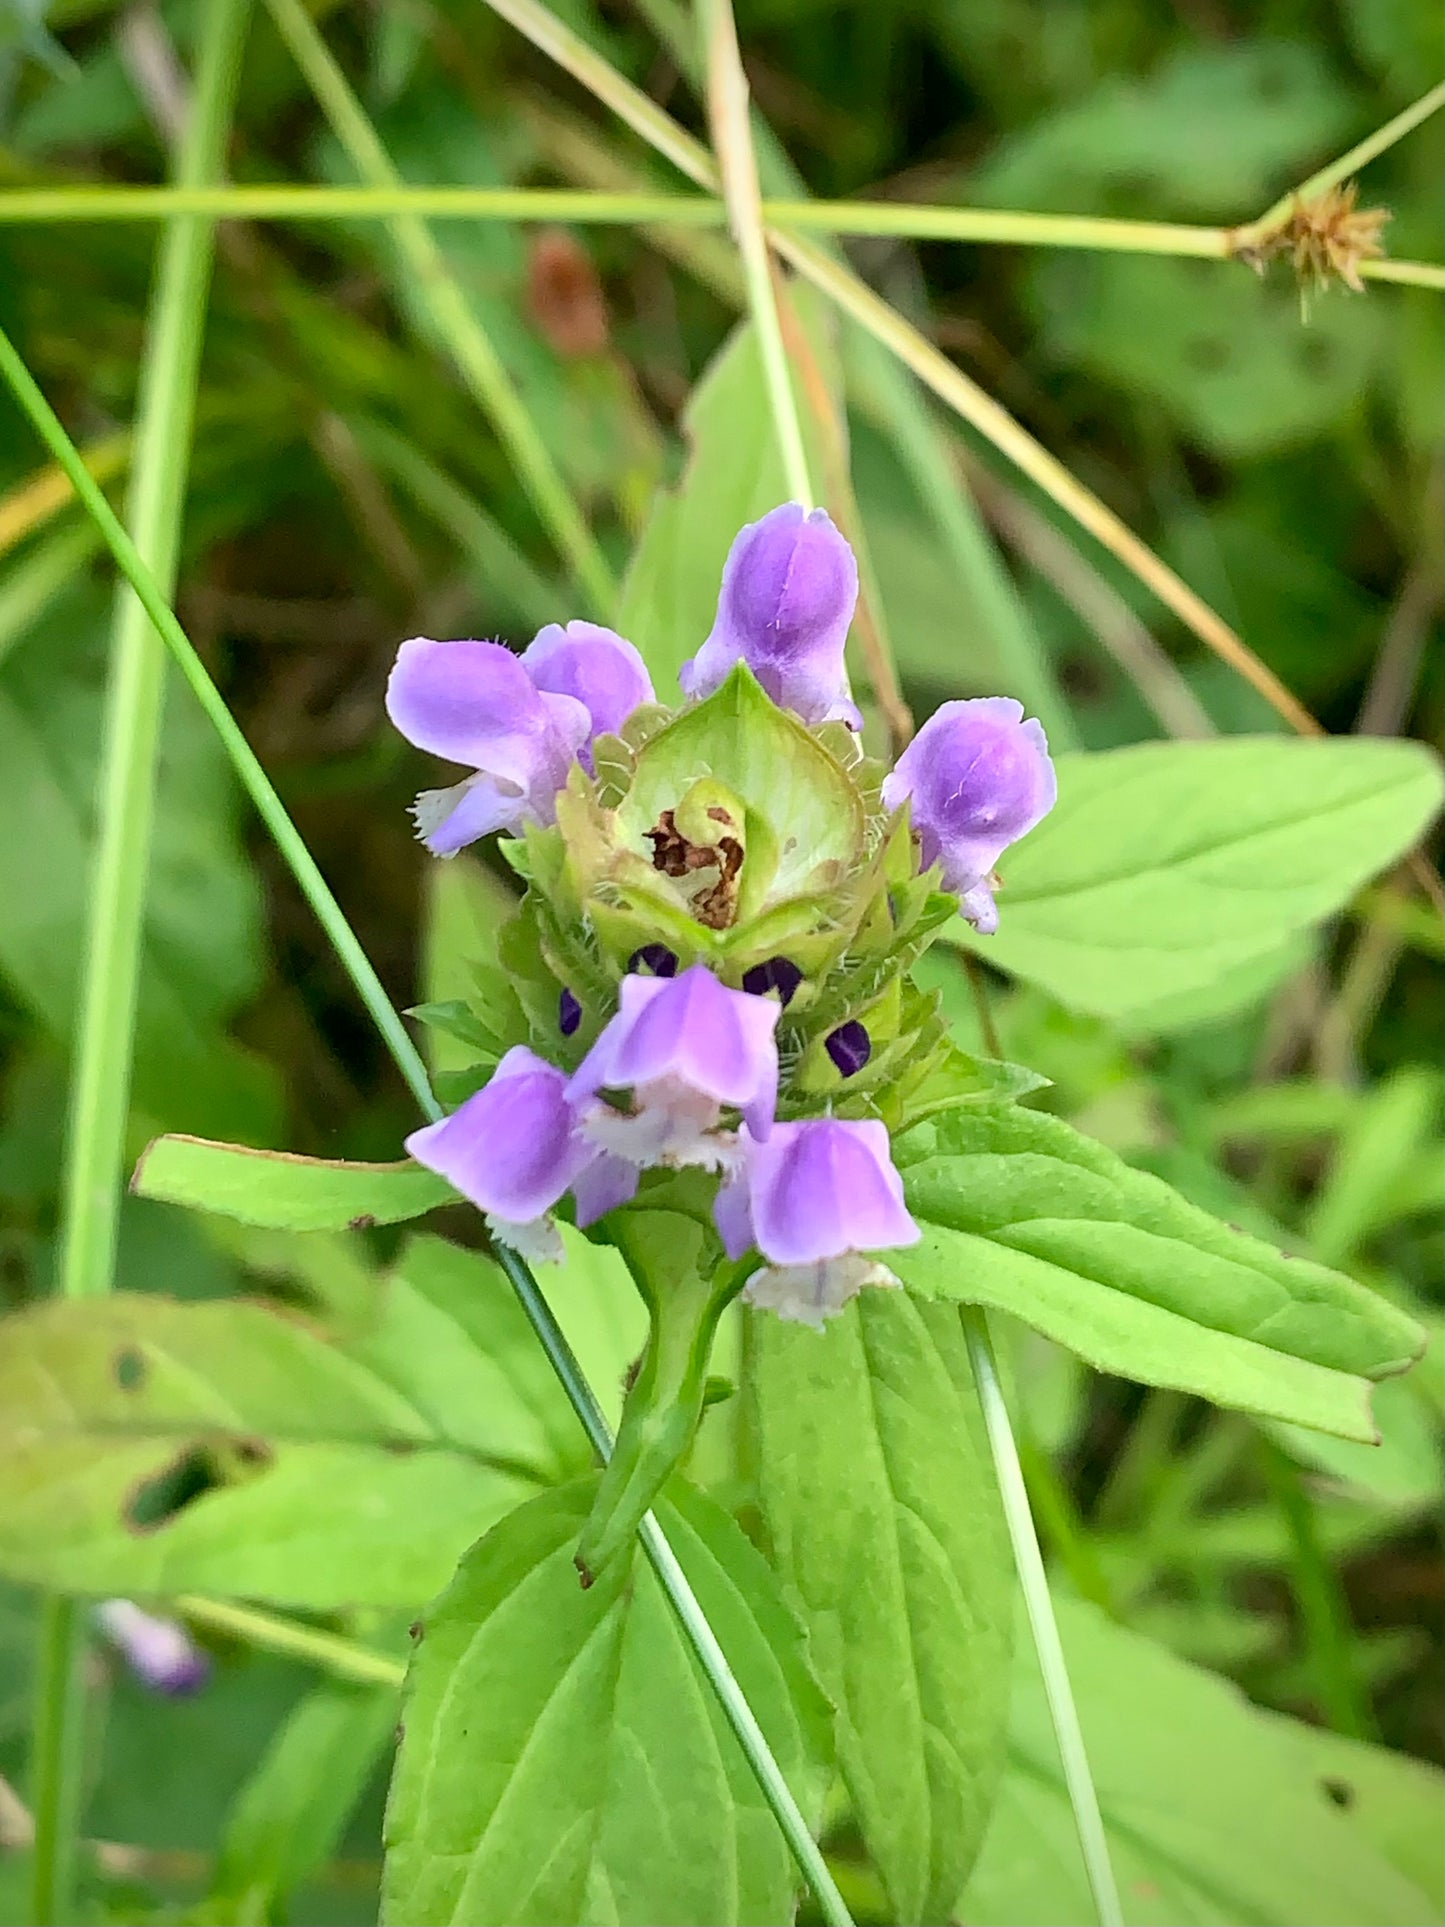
110	977
1035	1587
727	102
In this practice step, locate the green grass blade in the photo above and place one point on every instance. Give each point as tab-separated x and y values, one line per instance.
455	322
1035	1587
100	1086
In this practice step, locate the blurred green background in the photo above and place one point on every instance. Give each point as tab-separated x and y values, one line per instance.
346	493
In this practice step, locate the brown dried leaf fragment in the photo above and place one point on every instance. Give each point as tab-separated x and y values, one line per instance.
1326	239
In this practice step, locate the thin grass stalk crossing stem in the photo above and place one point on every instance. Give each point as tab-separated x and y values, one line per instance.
727	101
408	1060
1348	163
436	288
1037	1603
100	1085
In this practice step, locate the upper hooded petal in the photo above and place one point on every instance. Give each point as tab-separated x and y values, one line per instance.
595	666
824	1187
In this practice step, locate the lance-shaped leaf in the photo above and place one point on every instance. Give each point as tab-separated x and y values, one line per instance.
283	1191
1021	1212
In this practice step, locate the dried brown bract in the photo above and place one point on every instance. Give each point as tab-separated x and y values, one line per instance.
1326	239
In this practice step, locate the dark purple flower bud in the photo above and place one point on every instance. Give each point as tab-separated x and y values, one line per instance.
596	666
513	1149
474	703
654	958
684	1047
976	777
159	1652
789	587
849	1046
569	1012
777	973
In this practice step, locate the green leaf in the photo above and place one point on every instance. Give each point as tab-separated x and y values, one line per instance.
734	475
563	1759
154	1447
1216	1813
1022	1212
880	1506
283	1191
290	1814
1165	865
202	955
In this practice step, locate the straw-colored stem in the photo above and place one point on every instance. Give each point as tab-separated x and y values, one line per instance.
609	208
1339	170
455	321
727	101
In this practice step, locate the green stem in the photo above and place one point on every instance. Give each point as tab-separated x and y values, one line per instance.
451	314
1035	1587
727	97
1324	1613
100	1085
292	1640
1348	163
354	960
253	777
609	208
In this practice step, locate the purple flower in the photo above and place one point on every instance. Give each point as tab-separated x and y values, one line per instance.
816	1199
517	721
475	704
788	590
685	1047
515	1147
817	1189
976	777
597	667
158	1651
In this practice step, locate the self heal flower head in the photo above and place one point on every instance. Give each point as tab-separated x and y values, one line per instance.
159	1652
597	667
684	1046
514	1148
817	1189
789	586
475	704
976	777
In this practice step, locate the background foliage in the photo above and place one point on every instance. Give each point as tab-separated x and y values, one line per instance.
344	493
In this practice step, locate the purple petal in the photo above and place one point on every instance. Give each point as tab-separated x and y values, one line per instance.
789	588
826	1187
448	820
733	1216
606	1183
158	1651
976	777
693	1032
595	666
514	1147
